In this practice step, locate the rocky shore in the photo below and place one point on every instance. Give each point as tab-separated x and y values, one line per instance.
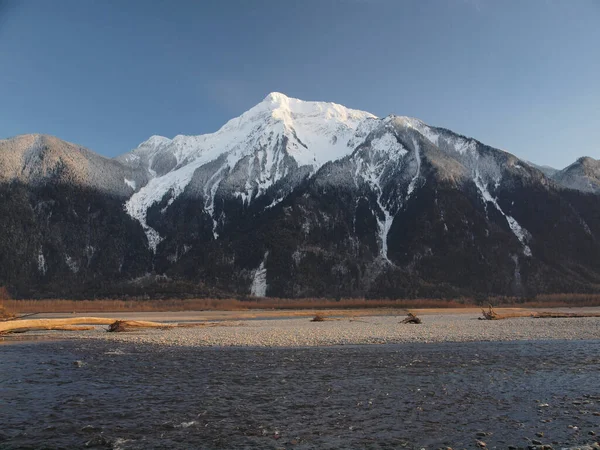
388	329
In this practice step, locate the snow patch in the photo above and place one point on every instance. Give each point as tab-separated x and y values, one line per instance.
384	229
130	183
72	264
297	257
426	131
210	191
413	182
41	261
388	143
306	227
259	281
463	146
385	149
274	202
518	231
90	250
416	124
371	174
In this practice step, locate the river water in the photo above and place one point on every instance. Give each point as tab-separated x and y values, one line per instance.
95	394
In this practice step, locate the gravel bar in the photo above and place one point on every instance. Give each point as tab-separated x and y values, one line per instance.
301	332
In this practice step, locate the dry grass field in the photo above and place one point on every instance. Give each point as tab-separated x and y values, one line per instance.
110	305
10	306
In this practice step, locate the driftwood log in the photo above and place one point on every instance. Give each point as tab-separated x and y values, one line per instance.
48	324
20	326
52	327
115	326
120	326
411	318
561	315
490	314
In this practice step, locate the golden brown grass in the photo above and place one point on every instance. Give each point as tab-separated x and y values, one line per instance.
112	305
548	301
4	313
109	305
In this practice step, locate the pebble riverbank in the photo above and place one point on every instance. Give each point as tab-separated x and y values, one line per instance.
301	332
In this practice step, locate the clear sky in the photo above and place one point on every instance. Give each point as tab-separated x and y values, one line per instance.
523	76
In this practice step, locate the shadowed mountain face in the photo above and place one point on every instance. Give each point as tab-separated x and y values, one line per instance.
295	199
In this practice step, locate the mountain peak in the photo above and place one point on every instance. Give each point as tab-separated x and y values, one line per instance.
283	106
276	97
155	140
583	175
587	160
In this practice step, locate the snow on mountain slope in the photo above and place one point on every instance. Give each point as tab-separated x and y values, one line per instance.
311	133
546	170
277	142
391	171
37	158
582	175
152	156
486	169
390	163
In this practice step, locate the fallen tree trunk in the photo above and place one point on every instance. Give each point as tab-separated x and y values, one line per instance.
41	324
561	315
493	315
115	326
54	328
14	326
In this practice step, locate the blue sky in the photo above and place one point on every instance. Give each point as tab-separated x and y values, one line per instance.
518	75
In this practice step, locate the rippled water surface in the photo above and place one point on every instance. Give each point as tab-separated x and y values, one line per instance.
100	395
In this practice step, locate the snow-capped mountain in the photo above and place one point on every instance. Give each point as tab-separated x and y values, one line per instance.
280	137
248	155
294	199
